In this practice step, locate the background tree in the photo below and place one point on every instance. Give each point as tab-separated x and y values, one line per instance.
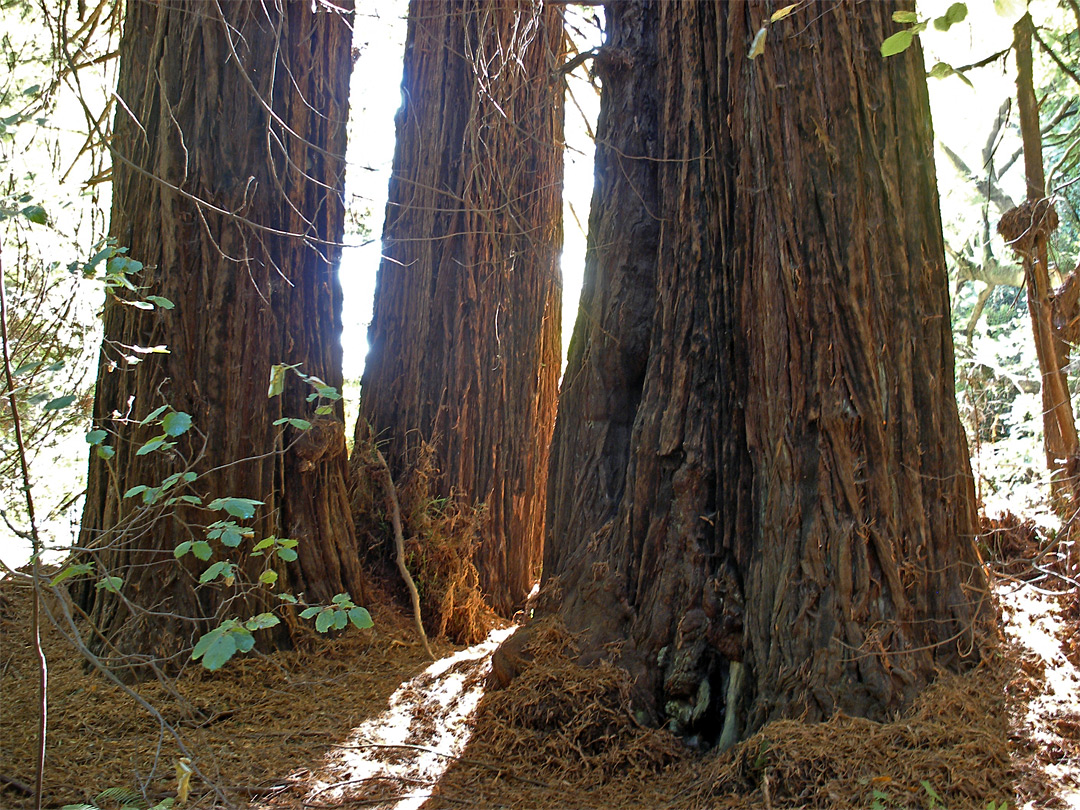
784	526
229	161
465	333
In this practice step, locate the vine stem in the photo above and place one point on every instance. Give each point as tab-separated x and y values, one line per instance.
35	547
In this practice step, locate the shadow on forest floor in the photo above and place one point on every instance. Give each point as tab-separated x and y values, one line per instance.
366	721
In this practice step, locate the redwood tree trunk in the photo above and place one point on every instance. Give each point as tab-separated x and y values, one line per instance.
241	106
759	482
465	334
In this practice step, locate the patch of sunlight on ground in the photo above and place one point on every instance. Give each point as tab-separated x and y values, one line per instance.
1032	618
395	760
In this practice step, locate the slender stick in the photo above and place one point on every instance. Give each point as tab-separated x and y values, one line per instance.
399	543
35	546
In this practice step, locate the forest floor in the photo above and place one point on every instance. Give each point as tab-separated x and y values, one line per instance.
366	721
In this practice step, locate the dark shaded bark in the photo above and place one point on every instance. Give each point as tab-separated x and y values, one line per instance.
243	106
780	521
464	338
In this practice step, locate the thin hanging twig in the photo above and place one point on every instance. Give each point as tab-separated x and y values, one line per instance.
35	544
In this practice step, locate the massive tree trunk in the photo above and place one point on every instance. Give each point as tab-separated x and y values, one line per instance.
465	334
759	483
228	175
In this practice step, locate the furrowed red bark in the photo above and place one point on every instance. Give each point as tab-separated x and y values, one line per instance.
242	106
464	337
767	501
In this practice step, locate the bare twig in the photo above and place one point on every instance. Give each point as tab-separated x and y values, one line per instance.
399	543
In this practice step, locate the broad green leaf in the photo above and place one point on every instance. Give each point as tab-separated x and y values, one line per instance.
361	618
287	554
195	499
161	301
202	550
154	414
779	15
328	392
287	597
150	446
905	16
220	649
324	620
105	451
233	535
244	640
307	613
176	423
118	265
35	213
341	619
897	43
956	13
77	570
341	599
131	493
262	622
266	542
95	437
26	368
213	572
139	305
300	424
60	402
110	584
182	549
287	542
277	380
237	507
59	364
268	577
324	410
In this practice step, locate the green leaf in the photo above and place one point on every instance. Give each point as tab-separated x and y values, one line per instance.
154	414
341	599
131	493
300	424
244	640
360	618
266	542
150	446
287	554
779	15
110	584
324	410
176	423
202	550
340	619
268	577
324	620
105	451
307	613
76	570
217	651
237	507
757	47
161	301
26	368
60	402
956	13
213	572
287	542
122	265
287	597
905	17
897	43
182	549
95	437
277	380
262	622
195	499
328	392
35	213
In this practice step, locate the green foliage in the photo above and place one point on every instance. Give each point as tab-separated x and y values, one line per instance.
338	614
125	798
